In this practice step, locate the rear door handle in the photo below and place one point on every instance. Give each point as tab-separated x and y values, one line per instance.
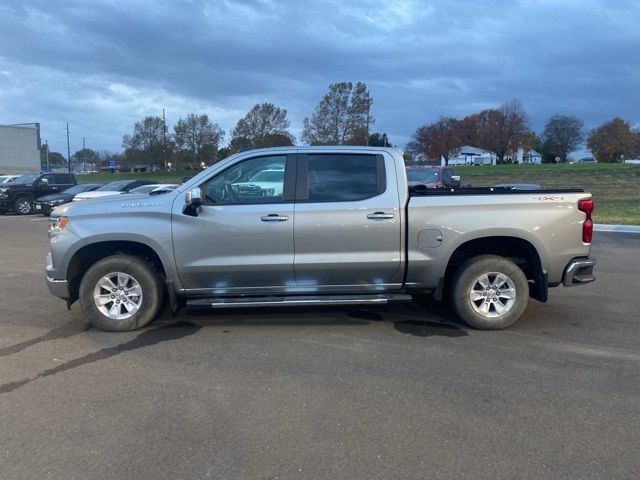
274	217
380	216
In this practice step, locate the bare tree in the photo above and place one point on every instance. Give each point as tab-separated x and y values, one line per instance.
343	116
145	146
265	125
197	139
562	135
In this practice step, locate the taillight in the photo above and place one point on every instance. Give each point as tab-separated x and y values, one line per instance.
586	205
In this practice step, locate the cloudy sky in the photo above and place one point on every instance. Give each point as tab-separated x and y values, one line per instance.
102	65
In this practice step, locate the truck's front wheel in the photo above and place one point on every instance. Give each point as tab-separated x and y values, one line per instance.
490	292
120	293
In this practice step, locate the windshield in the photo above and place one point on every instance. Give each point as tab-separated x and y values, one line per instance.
268	176
144	189
76	189
424	176
26	179
116	186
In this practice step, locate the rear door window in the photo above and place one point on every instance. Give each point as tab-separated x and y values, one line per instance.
340	177
62	179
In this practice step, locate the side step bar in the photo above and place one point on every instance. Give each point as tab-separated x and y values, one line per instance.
296	300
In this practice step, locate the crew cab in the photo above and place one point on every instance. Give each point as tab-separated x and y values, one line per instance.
20	194
344	228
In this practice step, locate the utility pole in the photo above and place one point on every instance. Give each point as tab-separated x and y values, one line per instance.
46	142
68	150
84	163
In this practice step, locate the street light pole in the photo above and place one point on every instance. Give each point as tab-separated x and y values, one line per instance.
68	151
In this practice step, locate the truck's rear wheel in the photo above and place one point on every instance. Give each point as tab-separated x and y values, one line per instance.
120	293
23	206
490	292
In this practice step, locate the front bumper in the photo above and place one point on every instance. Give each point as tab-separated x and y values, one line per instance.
579	271
59	288
44	208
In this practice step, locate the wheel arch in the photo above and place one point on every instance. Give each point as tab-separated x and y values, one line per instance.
89	254
522	252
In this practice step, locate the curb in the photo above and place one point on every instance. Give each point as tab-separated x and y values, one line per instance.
600	227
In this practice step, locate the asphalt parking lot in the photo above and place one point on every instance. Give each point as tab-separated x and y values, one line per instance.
389	393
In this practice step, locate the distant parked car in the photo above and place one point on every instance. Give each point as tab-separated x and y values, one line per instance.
155	188
433	177
586	160
4	179
519	186
47	203
114	188
264	183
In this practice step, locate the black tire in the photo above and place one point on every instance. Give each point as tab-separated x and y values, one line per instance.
465	280
143	273
23	205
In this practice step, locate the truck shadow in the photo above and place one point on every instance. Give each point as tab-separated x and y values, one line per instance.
65	331
172	331
409	319
425	319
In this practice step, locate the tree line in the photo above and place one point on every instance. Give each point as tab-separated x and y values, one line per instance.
505	129
343	117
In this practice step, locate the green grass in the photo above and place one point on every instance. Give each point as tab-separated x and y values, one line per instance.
615	187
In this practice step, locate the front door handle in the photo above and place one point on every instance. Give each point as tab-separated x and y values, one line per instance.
274	217
380	216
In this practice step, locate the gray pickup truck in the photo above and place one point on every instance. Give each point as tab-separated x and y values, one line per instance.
327	225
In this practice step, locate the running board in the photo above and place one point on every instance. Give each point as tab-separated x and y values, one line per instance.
296	300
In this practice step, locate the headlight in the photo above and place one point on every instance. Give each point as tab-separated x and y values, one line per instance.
56	202
3	192
57	224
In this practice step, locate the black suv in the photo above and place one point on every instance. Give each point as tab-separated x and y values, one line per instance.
20	194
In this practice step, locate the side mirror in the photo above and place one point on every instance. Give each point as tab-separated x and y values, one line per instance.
43	182
192	200
455	180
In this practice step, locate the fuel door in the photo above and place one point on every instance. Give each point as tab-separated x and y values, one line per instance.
430	238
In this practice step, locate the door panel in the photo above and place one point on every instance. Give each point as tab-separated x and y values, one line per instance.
347	245
242	239
229	248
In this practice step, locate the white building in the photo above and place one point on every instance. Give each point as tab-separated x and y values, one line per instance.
20	148
468	155
528	156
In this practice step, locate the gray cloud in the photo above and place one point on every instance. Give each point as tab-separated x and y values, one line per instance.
102	65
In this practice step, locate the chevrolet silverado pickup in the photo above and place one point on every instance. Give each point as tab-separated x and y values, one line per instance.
341	227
